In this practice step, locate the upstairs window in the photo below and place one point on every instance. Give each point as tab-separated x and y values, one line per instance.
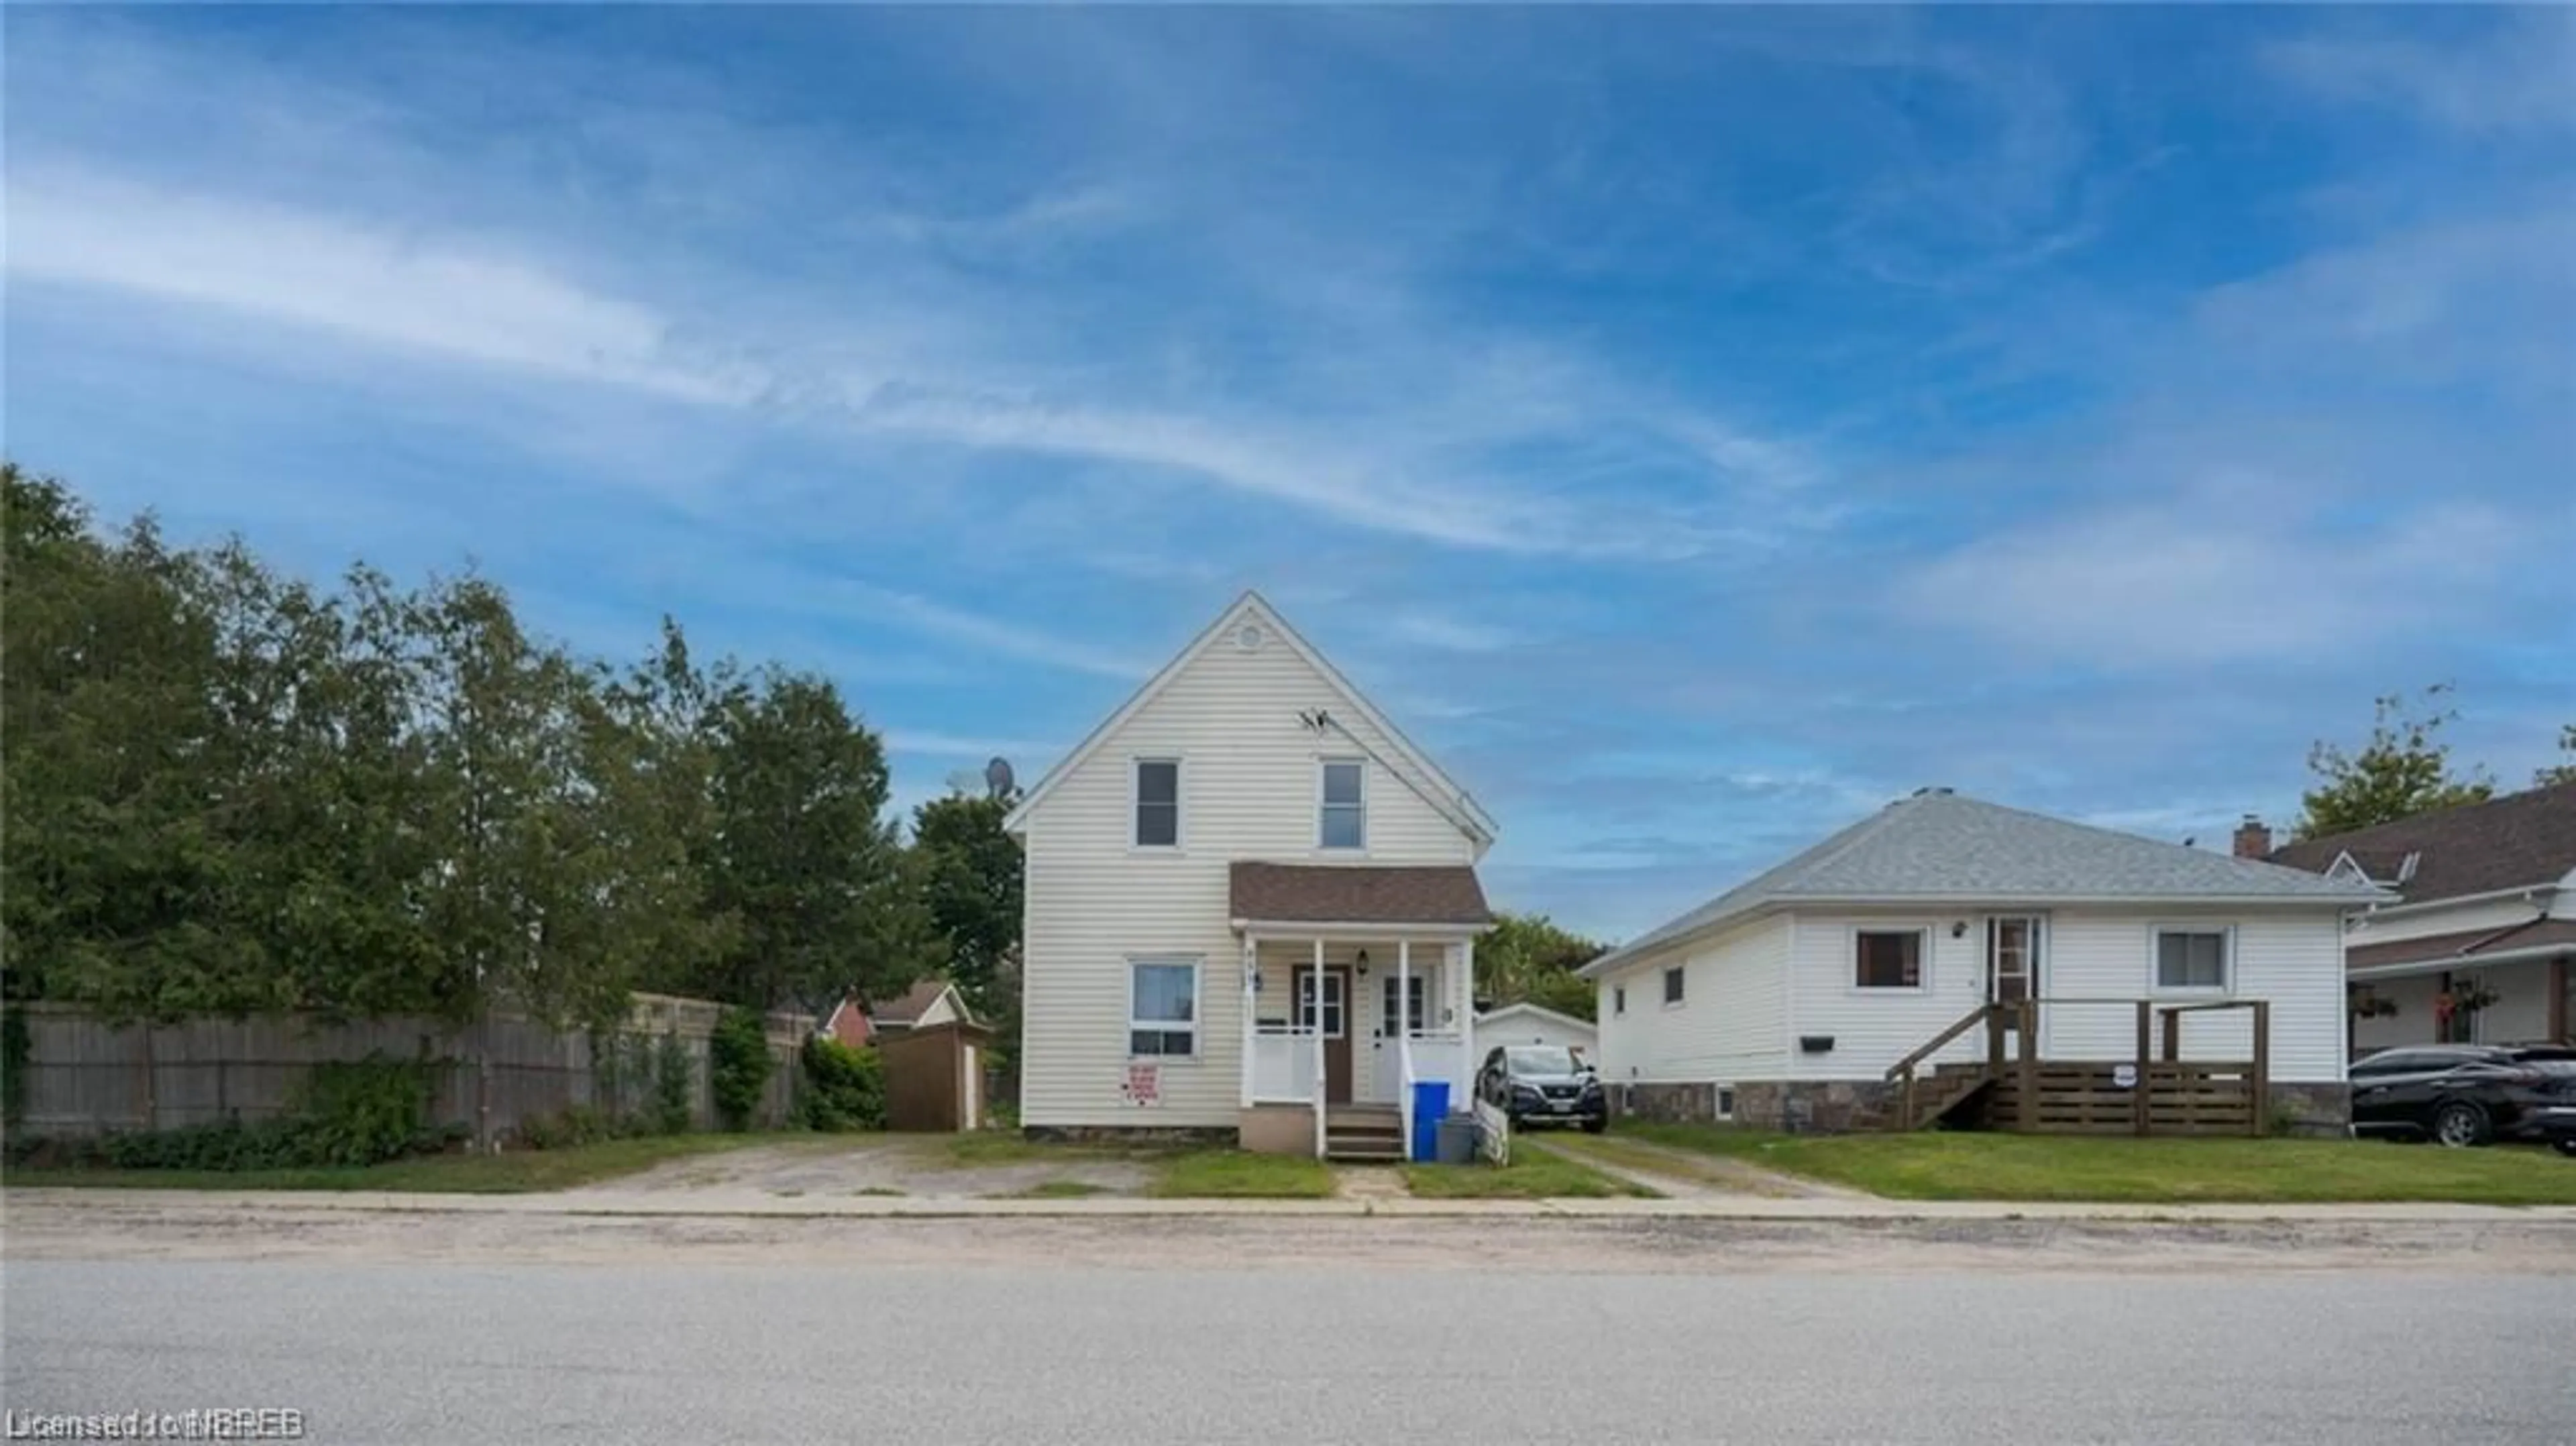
1345	812
1158	803
1619	999
1672	986
1887	959
2191	958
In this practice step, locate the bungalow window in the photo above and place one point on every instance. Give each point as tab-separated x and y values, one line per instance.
1345	812
1163	1009
2191	958
1672	986
1887	959
1158	803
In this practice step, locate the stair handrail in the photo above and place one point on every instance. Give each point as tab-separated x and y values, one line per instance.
1905	1066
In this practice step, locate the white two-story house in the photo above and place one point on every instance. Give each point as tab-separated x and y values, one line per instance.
1251	910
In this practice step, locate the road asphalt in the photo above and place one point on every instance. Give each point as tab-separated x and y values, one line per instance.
1050	1345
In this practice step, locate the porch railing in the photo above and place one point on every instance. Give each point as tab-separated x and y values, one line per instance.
1285	1066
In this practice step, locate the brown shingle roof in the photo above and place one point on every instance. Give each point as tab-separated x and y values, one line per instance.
2467	946
2477	848
909	1008
1358	894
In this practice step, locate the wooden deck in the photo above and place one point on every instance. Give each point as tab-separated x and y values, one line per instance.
2154	1092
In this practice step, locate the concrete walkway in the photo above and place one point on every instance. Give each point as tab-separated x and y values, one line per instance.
608	1201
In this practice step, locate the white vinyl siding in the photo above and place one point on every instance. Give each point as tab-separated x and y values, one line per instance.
2293	957
2520	1013
1521	1026
1248	790
1731	1025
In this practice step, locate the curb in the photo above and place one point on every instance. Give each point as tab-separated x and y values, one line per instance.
709	1205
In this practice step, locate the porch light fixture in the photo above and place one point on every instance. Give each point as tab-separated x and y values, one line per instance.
1363	963
1959	929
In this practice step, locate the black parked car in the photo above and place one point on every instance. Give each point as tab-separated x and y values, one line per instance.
2468	1094
1538	1084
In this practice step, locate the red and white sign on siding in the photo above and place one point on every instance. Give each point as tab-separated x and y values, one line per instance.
1144	1084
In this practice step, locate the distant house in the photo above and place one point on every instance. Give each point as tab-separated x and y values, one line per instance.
1252	909
849	1023
1527	1023
1886	975
2477	943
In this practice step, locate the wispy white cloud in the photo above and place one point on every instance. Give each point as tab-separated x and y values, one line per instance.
2515	76
991	634
934	744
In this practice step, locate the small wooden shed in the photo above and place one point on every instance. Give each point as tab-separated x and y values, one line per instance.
934	1076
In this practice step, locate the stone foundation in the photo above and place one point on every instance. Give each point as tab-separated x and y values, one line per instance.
2323	1110
1665	1104
1142	1135
1817	1106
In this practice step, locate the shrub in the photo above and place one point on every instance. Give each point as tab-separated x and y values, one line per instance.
844	1087
16	1046
577	1125
738	1065
671	1089
362	1111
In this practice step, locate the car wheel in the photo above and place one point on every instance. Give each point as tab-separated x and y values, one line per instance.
2565	1145
2459	1124
1596	1125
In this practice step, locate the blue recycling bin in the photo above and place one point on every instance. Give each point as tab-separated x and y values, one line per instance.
1430	1105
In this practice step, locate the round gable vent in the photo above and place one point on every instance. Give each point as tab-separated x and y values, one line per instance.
1249	636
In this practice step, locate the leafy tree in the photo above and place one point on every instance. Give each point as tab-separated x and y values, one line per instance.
2562	772
1526	958
2404	770
971	882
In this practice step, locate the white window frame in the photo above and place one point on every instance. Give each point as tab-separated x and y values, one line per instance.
1421	987
1136	803
1671	999
1618	1001
1324	765
1197	965
2226	984
1922	933
1724	1105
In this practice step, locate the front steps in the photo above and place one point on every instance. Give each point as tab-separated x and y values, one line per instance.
1372	1133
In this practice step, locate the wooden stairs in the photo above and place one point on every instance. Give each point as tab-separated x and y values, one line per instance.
1945	1092
1364	1133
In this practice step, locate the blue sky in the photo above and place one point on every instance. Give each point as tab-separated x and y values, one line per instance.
1696	427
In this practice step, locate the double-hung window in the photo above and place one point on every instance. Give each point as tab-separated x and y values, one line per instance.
2195	958
1416	998
1158	803
1673	985
1162	1008
1344	821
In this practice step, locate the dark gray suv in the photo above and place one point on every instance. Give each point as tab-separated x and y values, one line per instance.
1544	1084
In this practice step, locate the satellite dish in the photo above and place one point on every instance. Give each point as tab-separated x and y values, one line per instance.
997	777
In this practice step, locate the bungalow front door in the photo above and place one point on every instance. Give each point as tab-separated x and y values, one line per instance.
2012	960
1327	1009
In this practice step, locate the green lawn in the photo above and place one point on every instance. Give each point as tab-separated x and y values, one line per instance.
1948	1165
514	1172
1239	1174
1060	1190
1532	1175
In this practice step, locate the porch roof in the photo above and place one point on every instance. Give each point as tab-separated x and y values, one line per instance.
1439	894
2469	947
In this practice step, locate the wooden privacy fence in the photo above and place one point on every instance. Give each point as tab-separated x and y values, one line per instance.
85	1076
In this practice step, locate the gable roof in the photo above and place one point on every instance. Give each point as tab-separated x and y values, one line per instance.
1419	774
915	1002
1940	847
1357	893
1525	1007
2520	840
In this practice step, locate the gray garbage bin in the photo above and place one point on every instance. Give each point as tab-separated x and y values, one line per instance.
1458	1140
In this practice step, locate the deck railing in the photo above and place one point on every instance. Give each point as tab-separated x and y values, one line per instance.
2153	1091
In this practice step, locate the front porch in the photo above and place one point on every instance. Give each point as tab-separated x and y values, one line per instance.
1338	1030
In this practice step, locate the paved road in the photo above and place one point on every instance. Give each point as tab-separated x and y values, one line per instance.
681	1350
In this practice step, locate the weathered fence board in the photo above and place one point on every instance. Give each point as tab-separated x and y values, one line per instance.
85	1076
